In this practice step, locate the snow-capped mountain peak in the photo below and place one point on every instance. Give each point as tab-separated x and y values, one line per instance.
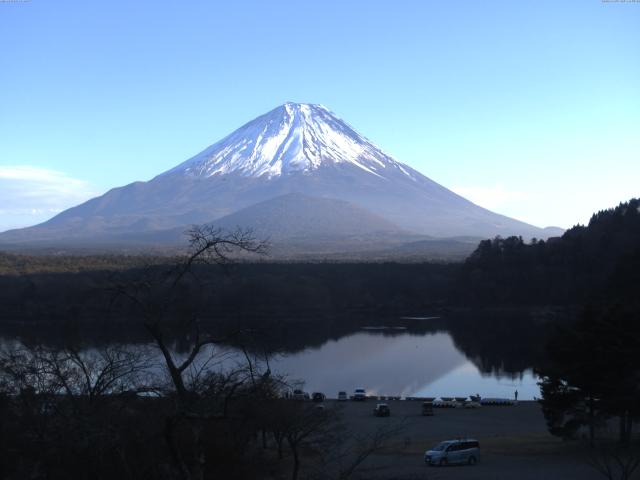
297	170
294	137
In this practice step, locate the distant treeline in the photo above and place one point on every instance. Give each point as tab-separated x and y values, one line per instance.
289	291
22	264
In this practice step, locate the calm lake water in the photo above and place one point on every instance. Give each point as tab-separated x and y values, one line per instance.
405	364
447	360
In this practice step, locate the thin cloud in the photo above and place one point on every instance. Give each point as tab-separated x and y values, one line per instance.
30	195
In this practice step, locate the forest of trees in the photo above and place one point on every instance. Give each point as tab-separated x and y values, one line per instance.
569	270
288	291
591	371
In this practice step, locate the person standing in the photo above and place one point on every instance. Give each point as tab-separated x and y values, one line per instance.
516	395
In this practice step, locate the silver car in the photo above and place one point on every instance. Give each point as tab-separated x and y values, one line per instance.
466	451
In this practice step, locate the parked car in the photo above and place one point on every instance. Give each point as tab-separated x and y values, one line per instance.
300	395
427	409
360	394
444	403
465	451
382	410
318	397
342	396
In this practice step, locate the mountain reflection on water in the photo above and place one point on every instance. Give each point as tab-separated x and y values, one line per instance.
405	364
457	356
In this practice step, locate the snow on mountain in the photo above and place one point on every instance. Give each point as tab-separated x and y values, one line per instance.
294	149
294	137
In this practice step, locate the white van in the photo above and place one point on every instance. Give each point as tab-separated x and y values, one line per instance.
360	394
466	451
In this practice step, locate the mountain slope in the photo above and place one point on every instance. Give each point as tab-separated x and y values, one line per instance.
297	216
295	148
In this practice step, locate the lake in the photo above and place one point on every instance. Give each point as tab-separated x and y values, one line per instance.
450	357
405	364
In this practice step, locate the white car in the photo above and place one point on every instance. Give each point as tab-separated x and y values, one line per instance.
300	395
465	451
360	394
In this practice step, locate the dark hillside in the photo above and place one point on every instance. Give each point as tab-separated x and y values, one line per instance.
80	292
567	270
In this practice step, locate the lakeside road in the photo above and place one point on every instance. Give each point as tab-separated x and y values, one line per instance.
514	442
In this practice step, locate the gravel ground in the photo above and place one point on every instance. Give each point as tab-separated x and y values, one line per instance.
514	443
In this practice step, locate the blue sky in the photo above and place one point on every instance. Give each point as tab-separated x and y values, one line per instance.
528	108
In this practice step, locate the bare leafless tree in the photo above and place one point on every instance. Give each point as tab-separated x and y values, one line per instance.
159	301
157	297
614	462
86	374
345	451
59	396
301	424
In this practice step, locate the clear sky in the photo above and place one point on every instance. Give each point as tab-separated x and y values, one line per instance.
530	108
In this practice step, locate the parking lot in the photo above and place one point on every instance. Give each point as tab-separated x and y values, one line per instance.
514	442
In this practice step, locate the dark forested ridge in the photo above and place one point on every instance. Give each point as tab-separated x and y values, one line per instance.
268	289
504	271
566	270
501	272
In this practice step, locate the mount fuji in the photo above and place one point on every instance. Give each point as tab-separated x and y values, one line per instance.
297	171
